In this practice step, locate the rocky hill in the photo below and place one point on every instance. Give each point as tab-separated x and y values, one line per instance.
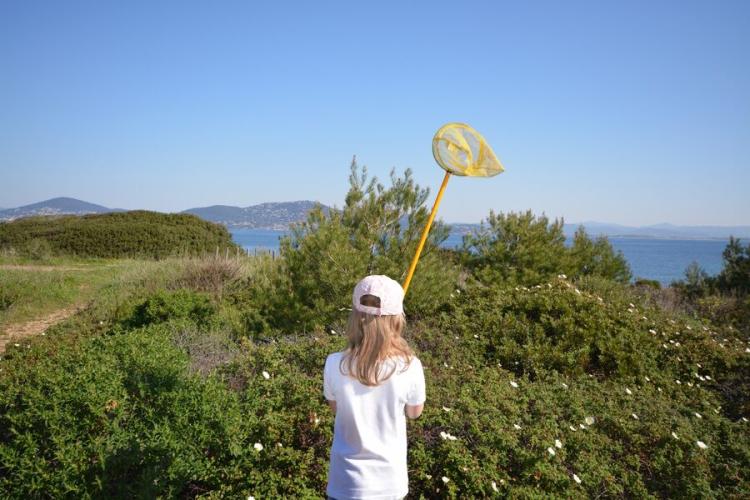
262	216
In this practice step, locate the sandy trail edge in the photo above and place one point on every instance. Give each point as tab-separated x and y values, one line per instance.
15	333
34	267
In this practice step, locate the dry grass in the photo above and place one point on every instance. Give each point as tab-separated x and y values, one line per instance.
207	350
210	274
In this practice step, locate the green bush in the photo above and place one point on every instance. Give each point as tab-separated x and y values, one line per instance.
121	414
643	282
38	249
121	234
522	248
375	233
165	306
735	275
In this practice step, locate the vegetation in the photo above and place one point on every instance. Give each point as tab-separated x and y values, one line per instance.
114	235
723	298
556	378
524	248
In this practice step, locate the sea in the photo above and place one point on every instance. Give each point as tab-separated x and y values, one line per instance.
664	260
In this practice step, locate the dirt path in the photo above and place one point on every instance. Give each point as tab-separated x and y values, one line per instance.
34	267
14	333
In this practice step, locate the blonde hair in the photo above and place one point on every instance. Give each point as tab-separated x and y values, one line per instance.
372	341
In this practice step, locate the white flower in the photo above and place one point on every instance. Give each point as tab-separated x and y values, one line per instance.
266	375
558	443
648	379
446	409
43	334
333	332
445	364
652	331
258	447
582	426
562	276
17	345
744	419
551	451
445	480
628	391
634	416
447	436
572	428
675	436
517	427
565	386
279	445
708	377
688	327
250	497
513	383
701	445
476	336
494	486
678	382
576	478
578	291
589	420
658	389
698	415
747	349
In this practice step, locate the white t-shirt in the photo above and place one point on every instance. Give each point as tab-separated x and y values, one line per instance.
368	456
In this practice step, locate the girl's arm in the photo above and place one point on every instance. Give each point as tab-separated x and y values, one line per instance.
411	411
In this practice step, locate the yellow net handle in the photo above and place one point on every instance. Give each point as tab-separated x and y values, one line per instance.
425	232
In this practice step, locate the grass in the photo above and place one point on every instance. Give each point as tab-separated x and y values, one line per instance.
39	287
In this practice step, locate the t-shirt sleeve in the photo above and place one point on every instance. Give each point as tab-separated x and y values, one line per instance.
416	394
328	381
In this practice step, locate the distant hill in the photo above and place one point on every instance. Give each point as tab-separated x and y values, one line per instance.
280	215
663	231
657	231
263	216
55	206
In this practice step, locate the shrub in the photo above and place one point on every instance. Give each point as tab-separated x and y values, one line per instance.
735	275
137	233
523	248
647	283
166	306
122	414
210	274
597	257
375	233
38	249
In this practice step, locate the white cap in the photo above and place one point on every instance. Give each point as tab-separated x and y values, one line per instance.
389	292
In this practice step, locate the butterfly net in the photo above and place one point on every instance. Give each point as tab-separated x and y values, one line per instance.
461	150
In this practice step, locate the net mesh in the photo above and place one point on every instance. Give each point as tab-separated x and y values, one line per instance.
461	150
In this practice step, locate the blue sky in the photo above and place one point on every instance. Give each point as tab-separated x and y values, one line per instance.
625	112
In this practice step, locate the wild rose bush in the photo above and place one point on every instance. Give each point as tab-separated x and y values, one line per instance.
540	390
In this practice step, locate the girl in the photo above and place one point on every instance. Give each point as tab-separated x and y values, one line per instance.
370	387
